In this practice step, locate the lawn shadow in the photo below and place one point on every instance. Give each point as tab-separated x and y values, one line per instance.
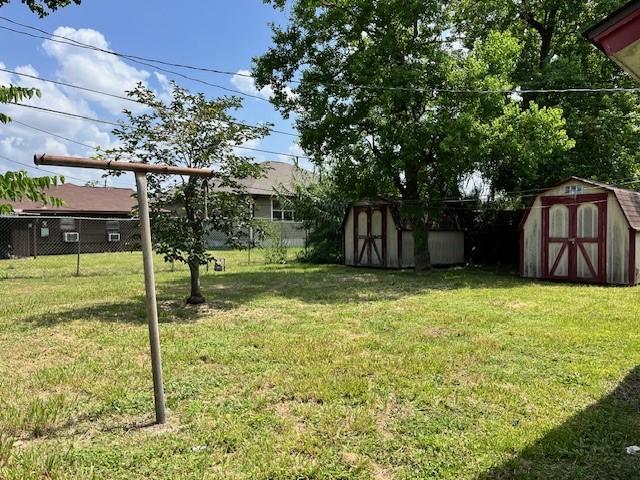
590	445
130	311
334	285
314	285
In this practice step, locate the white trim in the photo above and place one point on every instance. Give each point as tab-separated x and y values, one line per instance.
293	214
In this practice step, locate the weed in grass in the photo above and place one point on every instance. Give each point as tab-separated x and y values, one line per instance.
34	420
6	449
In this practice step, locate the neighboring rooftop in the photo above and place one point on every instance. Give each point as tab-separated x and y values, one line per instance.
83	200
278	175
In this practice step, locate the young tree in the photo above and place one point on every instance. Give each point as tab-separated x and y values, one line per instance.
372	102
16	186
194	132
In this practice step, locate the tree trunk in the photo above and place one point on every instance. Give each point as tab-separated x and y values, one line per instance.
421	254
196	297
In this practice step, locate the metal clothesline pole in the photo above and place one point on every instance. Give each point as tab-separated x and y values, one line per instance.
140	170
150	290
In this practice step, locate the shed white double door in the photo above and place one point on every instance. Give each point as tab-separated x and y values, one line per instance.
574	237
370	236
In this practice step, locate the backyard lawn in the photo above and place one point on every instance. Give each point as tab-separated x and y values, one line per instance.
297	371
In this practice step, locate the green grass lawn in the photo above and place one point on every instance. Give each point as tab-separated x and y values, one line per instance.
300	372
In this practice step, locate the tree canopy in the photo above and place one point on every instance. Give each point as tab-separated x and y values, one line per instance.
555	55
373	99
42	8
191	131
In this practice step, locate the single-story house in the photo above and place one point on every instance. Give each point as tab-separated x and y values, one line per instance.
94	219
582	231
278	177
374	235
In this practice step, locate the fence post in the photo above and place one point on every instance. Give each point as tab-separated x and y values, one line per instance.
35	241
79	242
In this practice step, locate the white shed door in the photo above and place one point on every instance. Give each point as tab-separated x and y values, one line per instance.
574	237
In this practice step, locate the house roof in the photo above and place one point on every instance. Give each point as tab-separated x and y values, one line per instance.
277	175
83	199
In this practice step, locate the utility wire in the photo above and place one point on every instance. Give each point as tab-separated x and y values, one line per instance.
35	167
68	114
129	99
47	132
13	120
149	63
146	64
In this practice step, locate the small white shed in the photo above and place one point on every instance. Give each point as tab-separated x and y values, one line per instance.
582	231
375	236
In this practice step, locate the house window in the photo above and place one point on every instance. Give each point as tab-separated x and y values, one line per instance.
113	226
67	224
279	213
574	189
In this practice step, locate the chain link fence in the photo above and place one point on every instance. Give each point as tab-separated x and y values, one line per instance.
63	240
66	246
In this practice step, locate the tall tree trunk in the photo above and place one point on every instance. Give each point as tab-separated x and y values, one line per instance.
417	217
421	254
196	297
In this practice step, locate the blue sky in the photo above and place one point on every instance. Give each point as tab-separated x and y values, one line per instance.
217	34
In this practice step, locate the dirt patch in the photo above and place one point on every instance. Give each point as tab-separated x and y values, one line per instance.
438	332
377	471
286	412
511	304
387	416
380	473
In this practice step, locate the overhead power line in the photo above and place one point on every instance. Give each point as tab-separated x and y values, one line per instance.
37	129
68	114
40	169
139	62
82	117
153	63
129	99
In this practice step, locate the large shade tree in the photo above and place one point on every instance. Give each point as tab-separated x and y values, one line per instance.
43	7
605	127
191	131
372	98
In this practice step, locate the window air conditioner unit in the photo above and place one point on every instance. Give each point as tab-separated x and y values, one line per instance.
71	237
114	237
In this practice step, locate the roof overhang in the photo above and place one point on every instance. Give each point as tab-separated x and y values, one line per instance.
618	36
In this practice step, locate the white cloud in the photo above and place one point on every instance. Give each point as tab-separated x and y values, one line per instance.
295	150
19	142
166	88
94	69
246	84
253	143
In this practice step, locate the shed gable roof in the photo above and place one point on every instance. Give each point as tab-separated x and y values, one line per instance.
629	200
